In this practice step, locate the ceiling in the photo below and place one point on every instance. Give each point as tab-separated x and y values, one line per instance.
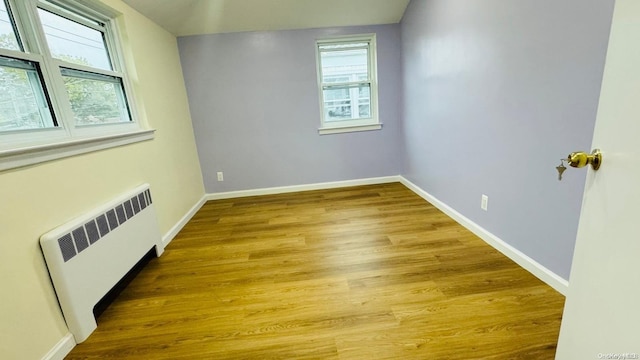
193	17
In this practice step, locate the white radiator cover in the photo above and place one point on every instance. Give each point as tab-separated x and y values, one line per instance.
87	256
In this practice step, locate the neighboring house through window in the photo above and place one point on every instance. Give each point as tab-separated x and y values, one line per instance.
347	84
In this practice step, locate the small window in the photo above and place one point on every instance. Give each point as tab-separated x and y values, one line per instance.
347	84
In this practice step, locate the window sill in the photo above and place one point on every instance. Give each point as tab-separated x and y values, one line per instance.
346	129
25	156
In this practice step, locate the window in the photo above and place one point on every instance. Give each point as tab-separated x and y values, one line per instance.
62	80
347	84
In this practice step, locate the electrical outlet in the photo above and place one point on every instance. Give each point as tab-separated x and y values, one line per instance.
484	204
220	176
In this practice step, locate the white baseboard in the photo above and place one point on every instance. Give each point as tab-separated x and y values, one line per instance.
61	349
296	188
552	279
166	239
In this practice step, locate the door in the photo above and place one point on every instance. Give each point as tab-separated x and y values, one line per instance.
602	310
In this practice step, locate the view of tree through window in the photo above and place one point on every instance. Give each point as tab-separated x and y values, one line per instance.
95	99
8	39
22	102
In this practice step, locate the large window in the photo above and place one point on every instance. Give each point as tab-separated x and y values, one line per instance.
347	84
62	78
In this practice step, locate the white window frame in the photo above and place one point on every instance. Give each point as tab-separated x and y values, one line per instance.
27	147
361	124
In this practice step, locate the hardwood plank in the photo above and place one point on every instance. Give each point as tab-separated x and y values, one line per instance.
369	272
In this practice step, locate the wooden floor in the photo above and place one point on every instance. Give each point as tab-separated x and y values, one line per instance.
370	272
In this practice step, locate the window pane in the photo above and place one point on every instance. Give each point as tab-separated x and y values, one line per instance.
337	110
351	64
337	94
8	39
96	99
23	105
74	42
347	102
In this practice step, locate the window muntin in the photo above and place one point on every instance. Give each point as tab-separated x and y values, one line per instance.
347	81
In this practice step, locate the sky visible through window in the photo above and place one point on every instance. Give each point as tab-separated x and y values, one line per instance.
74	42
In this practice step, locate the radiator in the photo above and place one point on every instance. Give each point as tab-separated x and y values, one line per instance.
86	257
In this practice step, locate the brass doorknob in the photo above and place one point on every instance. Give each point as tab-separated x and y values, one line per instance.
580	159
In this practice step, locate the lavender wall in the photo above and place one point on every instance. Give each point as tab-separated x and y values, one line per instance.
495	93
255	109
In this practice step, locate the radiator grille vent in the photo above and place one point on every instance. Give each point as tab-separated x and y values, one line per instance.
92	231
66	246
103	226
120	212
113	220
81	238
